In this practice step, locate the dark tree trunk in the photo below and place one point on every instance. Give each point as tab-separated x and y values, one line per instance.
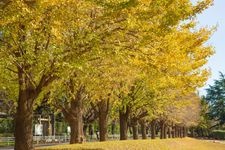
53	124
185	131
90	131
134	124
85	129
135	132
123	116
169	132
23	126
147	129
76	135
179	132
162	130
103	119
173	130
153	124
74	116
165	131
176	131
103	127
24	115
143	129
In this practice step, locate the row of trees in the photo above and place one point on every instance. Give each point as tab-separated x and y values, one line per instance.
132	60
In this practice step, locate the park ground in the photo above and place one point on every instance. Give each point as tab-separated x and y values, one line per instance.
167	144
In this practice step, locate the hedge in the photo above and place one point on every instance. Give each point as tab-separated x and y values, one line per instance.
218	134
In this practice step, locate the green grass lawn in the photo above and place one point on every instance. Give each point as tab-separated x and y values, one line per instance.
167	144
5	144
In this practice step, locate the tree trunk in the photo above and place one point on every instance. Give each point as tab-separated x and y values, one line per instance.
85	129
185	131
153	123
181	132
143	130
169	132
134	124
176	131
162	129
103	127
123	124
74	116
103	118
24	114
76	135
23	126
53	124
90	131
173	130
165	131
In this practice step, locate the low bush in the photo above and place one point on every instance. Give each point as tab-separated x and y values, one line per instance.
218	134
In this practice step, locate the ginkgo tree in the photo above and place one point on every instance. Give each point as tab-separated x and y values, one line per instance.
41	40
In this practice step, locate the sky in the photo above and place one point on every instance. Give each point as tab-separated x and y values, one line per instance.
215	15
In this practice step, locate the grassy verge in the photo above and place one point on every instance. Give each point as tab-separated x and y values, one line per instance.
5	144
168	144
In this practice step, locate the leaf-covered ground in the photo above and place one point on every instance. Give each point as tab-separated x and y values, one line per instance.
168	144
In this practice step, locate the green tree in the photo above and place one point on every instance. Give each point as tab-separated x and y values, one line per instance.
216	101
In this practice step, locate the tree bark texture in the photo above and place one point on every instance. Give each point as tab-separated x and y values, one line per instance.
134	124
24	114
23	126
153	129
176	131
103	107
74	116
162	130
169	132
123	116
165	131
143	129
185	131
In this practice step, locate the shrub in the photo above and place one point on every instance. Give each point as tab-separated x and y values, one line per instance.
218	134
6	126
